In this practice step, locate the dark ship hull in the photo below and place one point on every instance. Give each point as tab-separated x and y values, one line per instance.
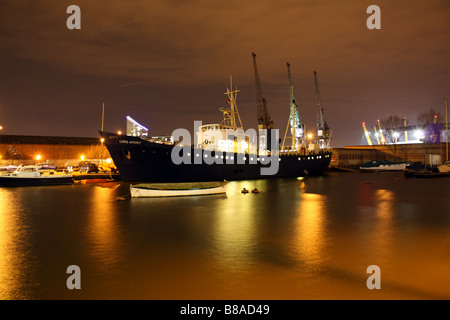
139	160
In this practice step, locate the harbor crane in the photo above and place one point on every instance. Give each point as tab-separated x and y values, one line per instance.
263	117
377	135
297	127
323	130
366	133
383	140
406	132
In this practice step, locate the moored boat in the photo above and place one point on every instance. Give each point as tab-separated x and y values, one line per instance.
145	190
31	176
383	165
445	167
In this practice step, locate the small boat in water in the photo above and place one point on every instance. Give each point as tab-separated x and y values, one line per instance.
144	190
31	176
444	168
383	165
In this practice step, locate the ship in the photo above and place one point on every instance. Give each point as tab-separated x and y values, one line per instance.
215	154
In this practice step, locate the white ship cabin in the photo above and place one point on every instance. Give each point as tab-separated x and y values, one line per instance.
223	138
27	171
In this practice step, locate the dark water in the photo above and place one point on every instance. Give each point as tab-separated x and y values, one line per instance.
297	239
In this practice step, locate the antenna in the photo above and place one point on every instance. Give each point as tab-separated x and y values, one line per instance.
103	114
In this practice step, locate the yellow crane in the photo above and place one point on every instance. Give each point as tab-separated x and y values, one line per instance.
366	133
383	140
406	132
377	135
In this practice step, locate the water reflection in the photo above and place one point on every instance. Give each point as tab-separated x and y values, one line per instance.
104	230
13	238
310	240
383	232
235	229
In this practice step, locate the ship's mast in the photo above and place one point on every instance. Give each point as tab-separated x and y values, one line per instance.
297	127
230	112
323	131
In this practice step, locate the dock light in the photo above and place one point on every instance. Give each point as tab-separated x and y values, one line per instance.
82	157
38	157
119	132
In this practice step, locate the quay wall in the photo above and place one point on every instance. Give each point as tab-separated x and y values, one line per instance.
353	156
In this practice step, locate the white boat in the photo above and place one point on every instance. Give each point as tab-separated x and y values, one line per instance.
31	176
383	165
444	167
145	190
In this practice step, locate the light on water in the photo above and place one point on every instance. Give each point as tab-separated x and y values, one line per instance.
310	238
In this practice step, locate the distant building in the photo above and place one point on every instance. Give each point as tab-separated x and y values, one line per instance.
354	156
19	149
136	129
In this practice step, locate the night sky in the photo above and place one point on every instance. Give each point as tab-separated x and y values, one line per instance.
168	63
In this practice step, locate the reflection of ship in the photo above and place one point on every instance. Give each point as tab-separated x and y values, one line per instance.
236	157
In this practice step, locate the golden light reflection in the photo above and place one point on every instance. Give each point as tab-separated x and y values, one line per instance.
12	235
104	229
235	228
384	212
310	240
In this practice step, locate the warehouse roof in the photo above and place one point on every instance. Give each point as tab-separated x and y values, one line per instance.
16	139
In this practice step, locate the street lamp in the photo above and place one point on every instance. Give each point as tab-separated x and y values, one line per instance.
396	135
419	134
309	136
